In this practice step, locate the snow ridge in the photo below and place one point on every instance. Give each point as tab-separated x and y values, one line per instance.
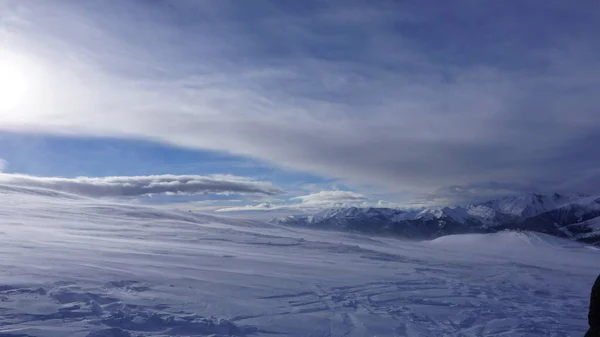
89	268
563	215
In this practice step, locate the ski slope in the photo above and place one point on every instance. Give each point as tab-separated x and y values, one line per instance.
71	266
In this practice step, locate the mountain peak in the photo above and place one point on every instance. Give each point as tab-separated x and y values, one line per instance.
529	205
556	210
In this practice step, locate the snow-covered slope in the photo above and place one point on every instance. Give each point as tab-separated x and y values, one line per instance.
508	209
74	267
585	230
552	214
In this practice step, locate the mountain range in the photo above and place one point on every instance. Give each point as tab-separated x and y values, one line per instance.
573	216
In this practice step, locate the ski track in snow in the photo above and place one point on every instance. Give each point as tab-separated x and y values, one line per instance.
84	268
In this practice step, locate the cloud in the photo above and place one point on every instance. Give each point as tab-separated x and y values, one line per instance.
329	198
306	203
3	165
131	186
415	103
586	182
471	193
386	204
265	206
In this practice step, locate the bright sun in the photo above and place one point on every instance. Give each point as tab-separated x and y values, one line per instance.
16	81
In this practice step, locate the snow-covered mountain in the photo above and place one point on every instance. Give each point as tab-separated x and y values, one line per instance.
574	216
83	267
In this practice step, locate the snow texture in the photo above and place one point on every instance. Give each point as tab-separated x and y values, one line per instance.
83	268
508	208
562	215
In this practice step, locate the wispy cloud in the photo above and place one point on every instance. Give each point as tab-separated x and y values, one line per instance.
145	185
330	197
412	97
310	202
3	165
476	192
265	206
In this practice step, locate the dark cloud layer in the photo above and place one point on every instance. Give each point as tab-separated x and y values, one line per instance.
415	97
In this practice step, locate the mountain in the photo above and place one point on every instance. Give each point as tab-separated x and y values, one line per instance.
84	267
573	216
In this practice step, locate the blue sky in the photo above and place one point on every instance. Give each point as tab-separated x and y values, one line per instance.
305	104
51	155
60	156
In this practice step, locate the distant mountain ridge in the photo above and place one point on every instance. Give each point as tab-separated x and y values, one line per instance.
573	216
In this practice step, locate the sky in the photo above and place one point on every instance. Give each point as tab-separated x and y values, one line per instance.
276	105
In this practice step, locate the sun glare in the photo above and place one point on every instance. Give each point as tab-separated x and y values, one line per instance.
17	78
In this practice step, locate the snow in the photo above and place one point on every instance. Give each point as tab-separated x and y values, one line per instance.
533	204
460	214
493	215
484	214
404	215
593	225
514	243
86	268
514	208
